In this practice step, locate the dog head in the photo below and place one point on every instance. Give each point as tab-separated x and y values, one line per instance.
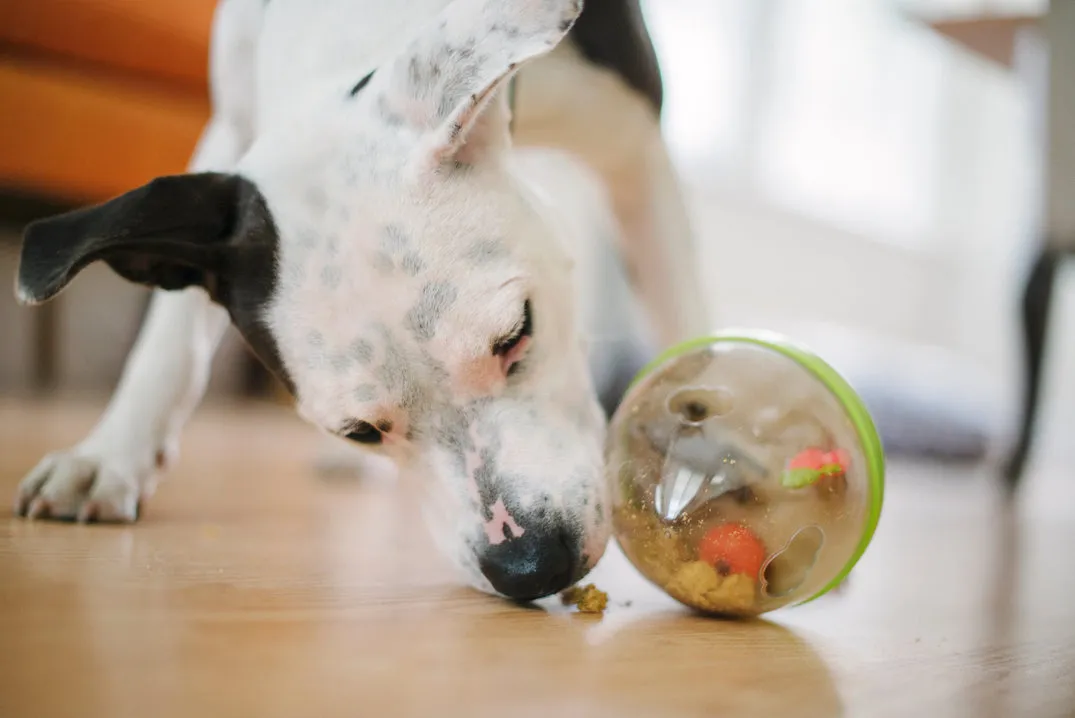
383	259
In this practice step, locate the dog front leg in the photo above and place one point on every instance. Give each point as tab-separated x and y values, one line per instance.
106	476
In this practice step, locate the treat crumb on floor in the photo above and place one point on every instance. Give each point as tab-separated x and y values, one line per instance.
588	598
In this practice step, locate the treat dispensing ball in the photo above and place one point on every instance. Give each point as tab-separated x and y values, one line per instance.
746	475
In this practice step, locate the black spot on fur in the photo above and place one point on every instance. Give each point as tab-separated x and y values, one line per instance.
397	372
511	32
486	477
423	71
436	298
394	242
394	238
362	351
412	264
360	84
485	251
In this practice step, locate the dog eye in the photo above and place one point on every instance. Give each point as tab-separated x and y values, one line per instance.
504	345
364	432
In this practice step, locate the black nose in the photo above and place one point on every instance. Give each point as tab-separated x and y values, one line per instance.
534	565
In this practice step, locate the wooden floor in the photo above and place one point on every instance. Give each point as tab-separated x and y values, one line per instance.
253	588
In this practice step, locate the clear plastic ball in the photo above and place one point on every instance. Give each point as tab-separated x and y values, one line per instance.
745	475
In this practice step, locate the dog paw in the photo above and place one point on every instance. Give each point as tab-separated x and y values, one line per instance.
88	484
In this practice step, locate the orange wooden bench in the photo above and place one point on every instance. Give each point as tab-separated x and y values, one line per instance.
99	96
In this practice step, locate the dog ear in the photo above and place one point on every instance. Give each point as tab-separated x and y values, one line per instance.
447	83
172	233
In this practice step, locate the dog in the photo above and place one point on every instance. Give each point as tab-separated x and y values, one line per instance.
452	230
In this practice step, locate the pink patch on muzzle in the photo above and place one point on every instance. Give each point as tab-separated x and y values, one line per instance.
502	518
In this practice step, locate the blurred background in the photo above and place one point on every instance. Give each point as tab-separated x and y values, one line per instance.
865	175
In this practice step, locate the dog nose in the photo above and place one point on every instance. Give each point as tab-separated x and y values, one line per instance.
532	566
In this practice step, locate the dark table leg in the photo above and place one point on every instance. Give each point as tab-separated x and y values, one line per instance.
1037	297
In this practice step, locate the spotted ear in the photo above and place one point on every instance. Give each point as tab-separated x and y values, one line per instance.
446	83
172	233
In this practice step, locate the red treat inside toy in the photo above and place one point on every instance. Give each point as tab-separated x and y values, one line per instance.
819	460
812	459
839	458
732	548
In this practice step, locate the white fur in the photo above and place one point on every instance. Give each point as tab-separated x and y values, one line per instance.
395	274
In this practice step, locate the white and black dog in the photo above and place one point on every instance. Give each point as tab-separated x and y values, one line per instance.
430	220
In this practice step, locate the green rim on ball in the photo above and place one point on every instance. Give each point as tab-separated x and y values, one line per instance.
872	447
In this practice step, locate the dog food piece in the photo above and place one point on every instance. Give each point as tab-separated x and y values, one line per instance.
811	465
732	548
588	598
658	549
699	584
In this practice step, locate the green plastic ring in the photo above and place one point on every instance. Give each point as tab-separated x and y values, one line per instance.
872	446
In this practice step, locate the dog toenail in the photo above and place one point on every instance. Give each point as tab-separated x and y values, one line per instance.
88	513
39	508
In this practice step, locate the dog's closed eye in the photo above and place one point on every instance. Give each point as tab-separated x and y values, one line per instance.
511	346
363	432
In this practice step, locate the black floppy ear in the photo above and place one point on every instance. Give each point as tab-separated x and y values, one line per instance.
174	232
